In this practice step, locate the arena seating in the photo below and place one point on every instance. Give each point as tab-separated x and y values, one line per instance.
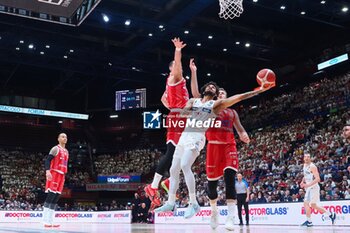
309	119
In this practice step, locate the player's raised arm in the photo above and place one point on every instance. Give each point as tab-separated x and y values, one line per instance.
225	103
194	81
240	129
177	67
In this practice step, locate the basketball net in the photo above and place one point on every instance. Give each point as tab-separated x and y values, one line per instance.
230	9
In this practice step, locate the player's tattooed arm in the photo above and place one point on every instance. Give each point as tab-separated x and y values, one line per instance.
186	111
225	103
194	81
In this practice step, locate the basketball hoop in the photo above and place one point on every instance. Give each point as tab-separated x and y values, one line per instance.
230	9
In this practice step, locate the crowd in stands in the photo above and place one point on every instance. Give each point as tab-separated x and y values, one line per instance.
22	178
318	98
309	119
131	161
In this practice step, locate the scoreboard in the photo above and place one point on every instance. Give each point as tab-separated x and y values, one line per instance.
130	99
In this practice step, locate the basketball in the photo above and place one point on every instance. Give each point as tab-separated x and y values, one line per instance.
266	78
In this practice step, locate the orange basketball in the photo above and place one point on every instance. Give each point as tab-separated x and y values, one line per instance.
266	78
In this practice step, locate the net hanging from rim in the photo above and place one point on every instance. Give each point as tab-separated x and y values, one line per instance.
230	9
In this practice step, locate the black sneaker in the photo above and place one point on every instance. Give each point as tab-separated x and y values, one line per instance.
307	224
241	223
247	224
332	217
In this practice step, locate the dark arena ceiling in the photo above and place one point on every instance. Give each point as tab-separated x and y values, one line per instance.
81	67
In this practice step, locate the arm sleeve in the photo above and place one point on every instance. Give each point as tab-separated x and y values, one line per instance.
48	161
53	152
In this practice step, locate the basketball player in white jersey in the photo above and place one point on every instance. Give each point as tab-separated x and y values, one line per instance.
192	141
312	191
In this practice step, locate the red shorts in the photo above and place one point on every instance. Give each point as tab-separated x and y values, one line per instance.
219	158
175	127
56	184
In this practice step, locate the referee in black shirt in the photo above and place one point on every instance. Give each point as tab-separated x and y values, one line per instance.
242	191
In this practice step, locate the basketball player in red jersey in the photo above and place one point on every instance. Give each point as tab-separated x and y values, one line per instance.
174	98
222	160
56	164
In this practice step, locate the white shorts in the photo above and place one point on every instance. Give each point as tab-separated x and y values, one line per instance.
189	141
312	195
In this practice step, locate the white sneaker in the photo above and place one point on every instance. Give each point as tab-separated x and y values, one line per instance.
166	208
214	220
230	223
191	210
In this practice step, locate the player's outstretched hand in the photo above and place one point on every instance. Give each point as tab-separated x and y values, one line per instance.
48	175
302	185
245	138
178	43
193	66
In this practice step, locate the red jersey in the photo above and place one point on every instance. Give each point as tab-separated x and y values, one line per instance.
176	94
223	134
60	162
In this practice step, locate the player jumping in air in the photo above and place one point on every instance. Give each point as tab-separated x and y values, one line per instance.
174	98
192	141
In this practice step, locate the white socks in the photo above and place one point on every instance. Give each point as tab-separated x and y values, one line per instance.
193	199
46	215
231	207
213	206
156	179
52	213
172	199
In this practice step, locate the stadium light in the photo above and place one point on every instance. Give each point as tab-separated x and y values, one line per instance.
105	18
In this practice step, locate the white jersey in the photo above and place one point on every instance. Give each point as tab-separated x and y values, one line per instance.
309	177
202	116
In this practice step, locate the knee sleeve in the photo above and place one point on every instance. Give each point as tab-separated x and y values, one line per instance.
54	201
49	199
212	192
165	161
229	177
